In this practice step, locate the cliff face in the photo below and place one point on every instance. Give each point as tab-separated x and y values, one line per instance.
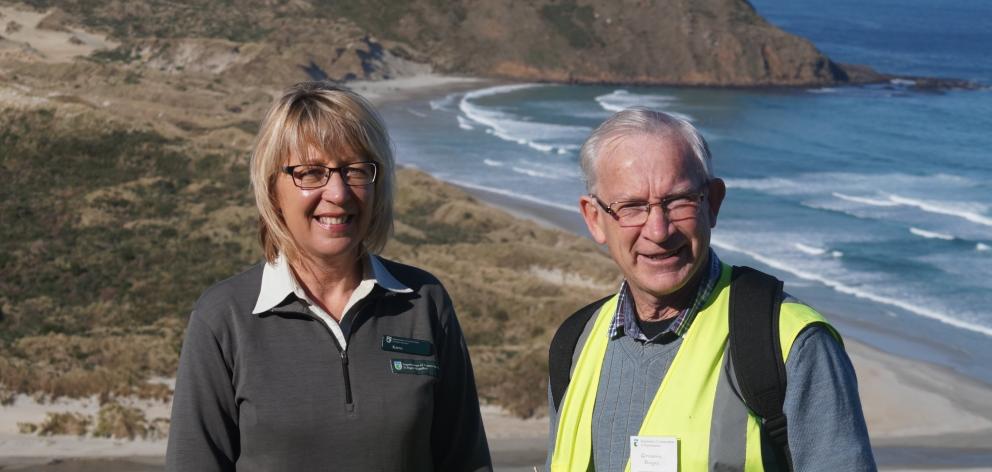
675	42
684	42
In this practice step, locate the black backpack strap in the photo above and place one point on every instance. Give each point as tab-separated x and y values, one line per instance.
755	350
563	347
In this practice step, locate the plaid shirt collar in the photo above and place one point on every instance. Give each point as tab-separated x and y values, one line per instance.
624	319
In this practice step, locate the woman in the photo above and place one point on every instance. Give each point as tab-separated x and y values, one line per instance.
325	356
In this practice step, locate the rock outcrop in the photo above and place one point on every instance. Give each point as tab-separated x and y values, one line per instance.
660	42
670	42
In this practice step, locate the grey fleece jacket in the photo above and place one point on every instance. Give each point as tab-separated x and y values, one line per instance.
274	391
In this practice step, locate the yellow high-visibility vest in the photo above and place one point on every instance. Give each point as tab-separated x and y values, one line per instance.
683	405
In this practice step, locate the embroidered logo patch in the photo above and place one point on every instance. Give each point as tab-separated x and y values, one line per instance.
415	367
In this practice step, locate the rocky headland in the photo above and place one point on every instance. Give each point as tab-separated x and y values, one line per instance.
722	43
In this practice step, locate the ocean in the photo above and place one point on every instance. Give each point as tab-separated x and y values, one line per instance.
873	203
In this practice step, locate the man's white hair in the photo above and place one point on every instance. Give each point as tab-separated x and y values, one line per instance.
636	121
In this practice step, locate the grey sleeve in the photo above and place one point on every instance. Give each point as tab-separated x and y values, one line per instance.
203	434
458	438
552	428
826	425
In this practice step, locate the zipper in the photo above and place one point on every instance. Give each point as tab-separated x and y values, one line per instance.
347	378
343	354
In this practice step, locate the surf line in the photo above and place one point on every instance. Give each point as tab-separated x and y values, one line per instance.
855	292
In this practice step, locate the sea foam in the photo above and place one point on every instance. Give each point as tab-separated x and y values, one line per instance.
813	251
465	124
865	200
968	211
770	185
863	293
445	103
931	234
535	173
519	196
416	113
860	292
545	137
943	208
621	100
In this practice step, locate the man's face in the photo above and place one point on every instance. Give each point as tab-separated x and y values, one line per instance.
659	257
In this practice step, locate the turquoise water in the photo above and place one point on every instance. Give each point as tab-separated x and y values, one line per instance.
873	203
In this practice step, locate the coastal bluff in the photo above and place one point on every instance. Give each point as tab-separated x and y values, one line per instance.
723	43
663	42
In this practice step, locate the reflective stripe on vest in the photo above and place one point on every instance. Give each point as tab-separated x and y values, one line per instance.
695	402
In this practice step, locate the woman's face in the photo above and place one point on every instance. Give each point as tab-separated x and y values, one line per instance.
330	222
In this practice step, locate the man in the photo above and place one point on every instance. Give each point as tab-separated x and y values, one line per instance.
648	372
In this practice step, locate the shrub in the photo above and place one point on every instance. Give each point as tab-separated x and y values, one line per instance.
64	423
27	428
119	421
158	428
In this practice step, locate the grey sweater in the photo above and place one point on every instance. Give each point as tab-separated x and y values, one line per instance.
274	391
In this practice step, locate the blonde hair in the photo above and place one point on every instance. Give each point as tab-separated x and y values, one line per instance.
323	117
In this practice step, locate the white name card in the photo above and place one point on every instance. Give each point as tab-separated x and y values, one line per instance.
654	454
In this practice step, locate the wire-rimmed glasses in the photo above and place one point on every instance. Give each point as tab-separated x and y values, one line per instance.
635	213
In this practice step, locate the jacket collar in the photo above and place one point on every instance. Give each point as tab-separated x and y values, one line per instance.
278	282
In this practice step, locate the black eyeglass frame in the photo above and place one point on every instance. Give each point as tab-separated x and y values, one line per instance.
331	170
696	196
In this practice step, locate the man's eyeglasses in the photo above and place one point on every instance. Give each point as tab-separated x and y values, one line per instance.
635	213
311	176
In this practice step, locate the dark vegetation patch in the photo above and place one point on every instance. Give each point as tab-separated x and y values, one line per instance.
163	18
101	252
124	54
573	22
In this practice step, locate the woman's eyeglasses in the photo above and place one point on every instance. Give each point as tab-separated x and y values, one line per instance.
311	176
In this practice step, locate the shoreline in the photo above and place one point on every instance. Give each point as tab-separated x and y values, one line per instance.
405	89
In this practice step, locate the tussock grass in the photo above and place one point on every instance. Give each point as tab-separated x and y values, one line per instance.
119	421
65	423
486	259
99	268
114	420
118	231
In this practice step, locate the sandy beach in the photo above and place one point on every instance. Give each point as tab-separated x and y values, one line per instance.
381	92
920	416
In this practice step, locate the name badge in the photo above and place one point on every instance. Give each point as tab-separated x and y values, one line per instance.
654	454
407	345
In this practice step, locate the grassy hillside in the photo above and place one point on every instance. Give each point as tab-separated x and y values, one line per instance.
698	42
107	232
111	230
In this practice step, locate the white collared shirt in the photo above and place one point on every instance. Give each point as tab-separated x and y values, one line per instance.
278	282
